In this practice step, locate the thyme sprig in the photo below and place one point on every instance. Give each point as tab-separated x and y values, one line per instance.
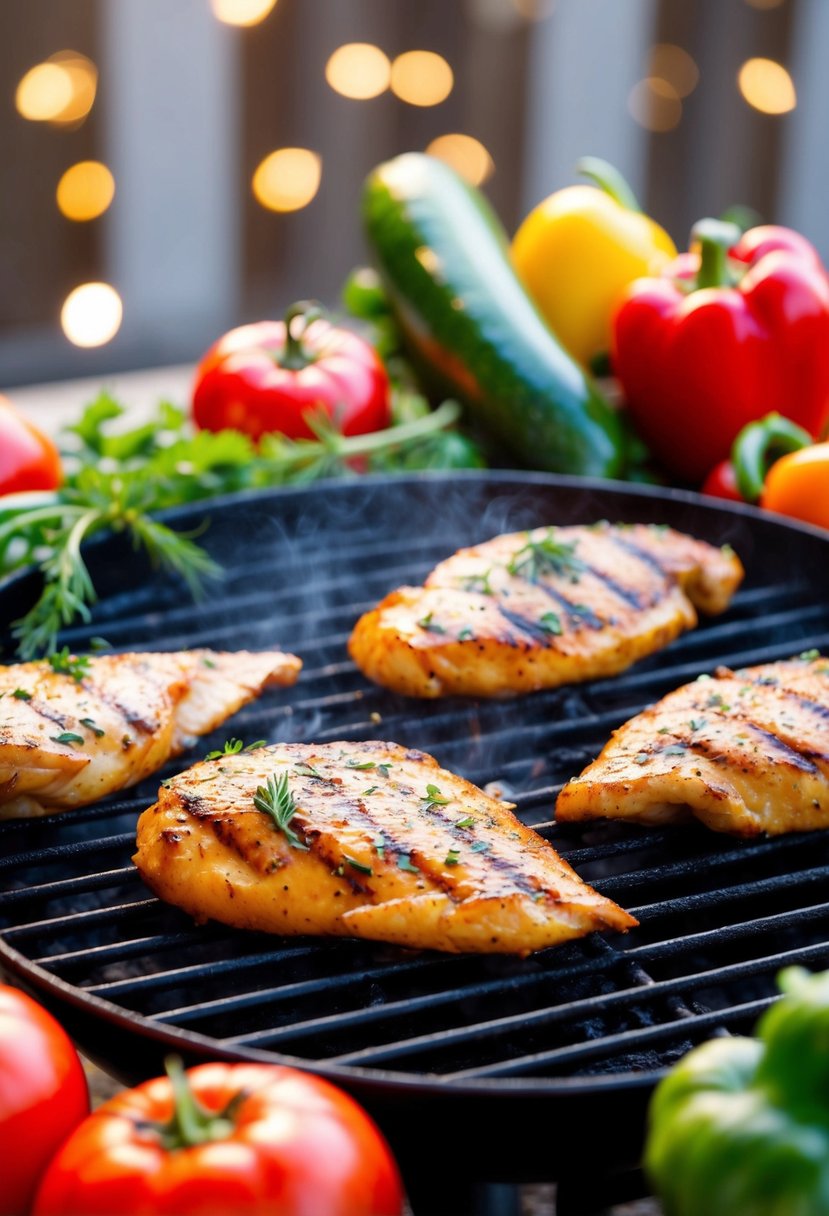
275	799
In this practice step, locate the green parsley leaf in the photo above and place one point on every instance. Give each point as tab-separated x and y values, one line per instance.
404	863
550	622
22	695
434	797
357	865
65	663
466	822
426	622
66	736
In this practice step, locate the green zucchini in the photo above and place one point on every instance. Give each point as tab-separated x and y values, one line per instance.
468	322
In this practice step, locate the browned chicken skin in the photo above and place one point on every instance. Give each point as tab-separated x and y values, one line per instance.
745	752
68	739
374	841
537	609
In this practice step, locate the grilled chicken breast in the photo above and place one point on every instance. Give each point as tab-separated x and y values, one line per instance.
366	840
745	752
537	609
68	737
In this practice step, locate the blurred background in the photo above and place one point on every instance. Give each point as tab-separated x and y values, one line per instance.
176	167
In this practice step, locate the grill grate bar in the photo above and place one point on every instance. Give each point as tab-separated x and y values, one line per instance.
71	886
639	996
198	971
89	918
758	887
624	1043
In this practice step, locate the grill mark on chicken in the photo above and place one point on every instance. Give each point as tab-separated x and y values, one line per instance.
649	559
627	594
534	631
577	614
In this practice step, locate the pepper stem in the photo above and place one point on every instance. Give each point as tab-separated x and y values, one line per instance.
758	446
715	238
608	178
295	356
191	1123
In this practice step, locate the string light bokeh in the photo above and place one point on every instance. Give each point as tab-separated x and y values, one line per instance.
424	87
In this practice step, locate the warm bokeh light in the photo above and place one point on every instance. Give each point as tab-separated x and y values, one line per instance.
534	10
655	104
242	12
766	85
287	179
85	190
422	78
60	90
465	154
670	62
91	314
358	70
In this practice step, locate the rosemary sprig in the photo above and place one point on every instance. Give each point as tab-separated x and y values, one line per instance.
545	556
114	481
232	747
275	799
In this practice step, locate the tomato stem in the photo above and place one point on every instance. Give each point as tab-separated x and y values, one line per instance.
191	1123
295	357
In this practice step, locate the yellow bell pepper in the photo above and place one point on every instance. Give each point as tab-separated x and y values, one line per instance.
578	250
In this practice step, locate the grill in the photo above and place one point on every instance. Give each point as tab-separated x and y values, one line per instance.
490	1069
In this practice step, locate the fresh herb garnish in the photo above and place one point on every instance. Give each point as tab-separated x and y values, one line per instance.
715	701
22	695
307	770
372	789
465	634
426	622
478	582
452	858
383	769
66	736
404	863
642	758
697	723
68	664
545	556
550	622
357	865
434	797
480	846
115	480
360	765
93	726
379	843
466	822
675	750
232	747
275	799
808	656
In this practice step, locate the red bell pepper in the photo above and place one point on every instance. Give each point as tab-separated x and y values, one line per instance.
700	358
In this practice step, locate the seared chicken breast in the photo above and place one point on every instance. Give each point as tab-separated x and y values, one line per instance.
532	610
73	730
366	840
745	752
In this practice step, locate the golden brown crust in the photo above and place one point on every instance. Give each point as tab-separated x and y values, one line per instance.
397	849
534	610
745	752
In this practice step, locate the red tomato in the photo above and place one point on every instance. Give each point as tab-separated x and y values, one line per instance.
263	377
721	482
225	1138
28	458
43	1096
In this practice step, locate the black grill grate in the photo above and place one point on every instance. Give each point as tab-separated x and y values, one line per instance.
422	1039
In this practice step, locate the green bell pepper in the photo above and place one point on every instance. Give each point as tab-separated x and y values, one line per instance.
740	1126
